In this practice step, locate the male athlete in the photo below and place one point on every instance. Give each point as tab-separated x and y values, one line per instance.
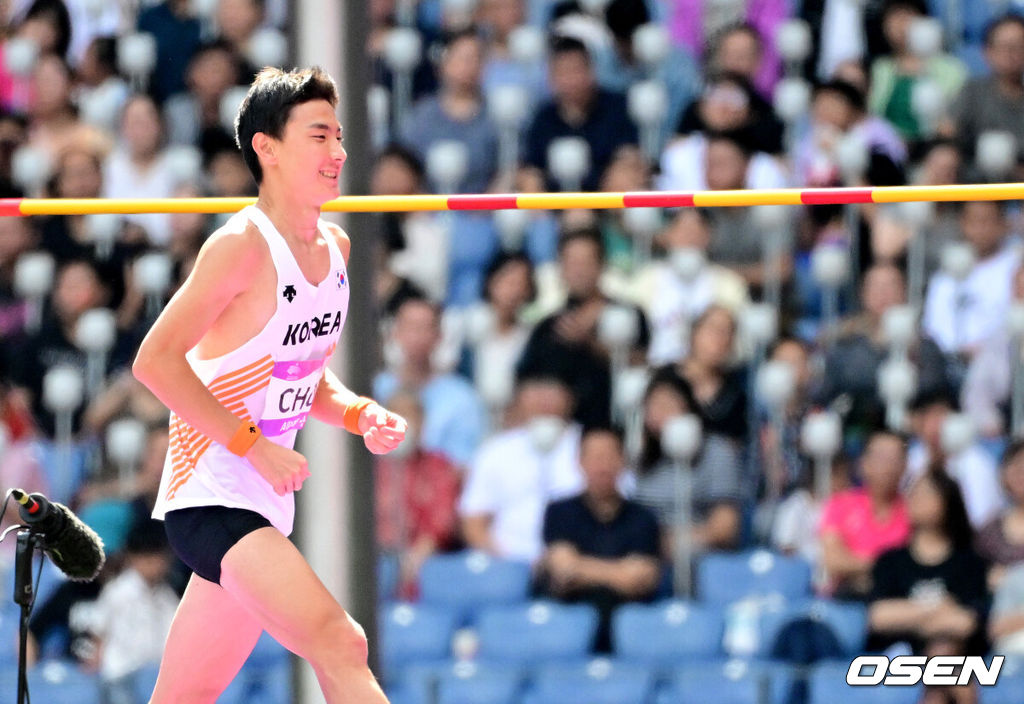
239	355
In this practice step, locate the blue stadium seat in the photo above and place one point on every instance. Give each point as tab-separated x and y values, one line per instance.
848	622
421	683
668	632
469	683
827	685
62	682
729	682
723	578
145	681
1007	690
536	633
600	681
387	577
412	633
470	580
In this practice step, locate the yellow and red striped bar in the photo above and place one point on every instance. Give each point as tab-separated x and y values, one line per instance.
531	201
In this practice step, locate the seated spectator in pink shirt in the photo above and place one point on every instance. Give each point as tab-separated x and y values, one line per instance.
416	491
858	525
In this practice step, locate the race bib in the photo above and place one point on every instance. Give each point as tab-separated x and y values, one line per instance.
290	396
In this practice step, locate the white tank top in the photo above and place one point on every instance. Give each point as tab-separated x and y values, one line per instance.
271	379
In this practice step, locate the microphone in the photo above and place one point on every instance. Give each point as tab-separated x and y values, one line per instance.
74	547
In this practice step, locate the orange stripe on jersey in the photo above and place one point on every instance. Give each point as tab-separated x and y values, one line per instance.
187	444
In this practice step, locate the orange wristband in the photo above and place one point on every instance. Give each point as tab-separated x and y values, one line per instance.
350	421
244	438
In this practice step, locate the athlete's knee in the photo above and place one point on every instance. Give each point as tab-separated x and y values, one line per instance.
340	640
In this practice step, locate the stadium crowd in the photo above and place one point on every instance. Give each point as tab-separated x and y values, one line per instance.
544	359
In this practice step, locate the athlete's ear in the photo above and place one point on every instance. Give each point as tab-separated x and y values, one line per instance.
264	147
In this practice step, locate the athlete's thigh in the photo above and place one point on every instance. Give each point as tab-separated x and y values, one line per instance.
211	637
266	573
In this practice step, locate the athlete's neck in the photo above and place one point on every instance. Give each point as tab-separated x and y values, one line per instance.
295	221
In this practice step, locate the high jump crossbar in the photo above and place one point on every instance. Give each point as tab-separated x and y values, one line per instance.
530	201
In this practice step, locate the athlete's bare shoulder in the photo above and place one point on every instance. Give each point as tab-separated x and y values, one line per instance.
340	238
235	249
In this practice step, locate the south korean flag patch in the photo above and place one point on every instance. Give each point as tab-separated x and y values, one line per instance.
339	276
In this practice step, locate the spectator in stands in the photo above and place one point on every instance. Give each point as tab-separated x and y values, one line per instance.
416	492
54	123
190	114
839	109
517	472
137	168
78	288
973	468
629	170
134	612
994	102
457	113
678	289
895	75
508	287
719	389
98	77
1000	542
985	394
859	524
124	395
237	21
717	478
46	24
579	108
729	105
618	67
961	315
1006	620
852	362
453	415
782	464
600	548
412	239
177	32
933	590
13	134
497	20
760	255
16	238
566	345
734	46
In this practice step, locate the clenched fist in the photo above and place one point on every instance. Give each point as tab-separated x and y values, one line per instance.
381	429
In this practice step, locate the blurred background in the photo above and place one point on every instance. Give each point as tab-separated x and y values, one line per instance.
655	456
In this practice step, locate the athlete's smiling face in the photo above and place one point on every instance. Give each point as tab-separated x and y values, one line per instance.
310	152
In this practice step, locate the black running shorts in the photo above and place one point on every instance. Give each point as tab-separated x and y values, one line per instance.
201	536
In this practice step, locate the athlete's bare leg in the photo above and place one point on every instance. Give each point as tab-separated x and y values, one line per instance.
210	639
266	573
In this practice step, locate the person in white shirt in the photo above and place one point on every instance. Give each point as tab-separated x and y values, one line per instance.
973	468
677	290
138	169
961	315
517	472
134	612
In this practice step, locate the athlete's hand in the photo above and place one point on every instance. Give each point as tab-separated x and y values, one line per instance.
382	430
282	468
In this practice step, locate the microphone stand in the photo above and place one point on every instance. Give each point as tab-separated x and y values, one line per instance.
24	595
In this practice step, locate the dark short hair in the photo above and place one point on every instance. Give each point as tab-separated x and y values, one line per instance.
995	24
934	397
603	429
562	45
394	150
584	234
741	137
55	12
499	262
846	90
269	103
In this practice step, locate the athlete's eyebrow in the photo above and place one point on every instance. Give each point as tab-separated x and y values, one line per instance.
322	126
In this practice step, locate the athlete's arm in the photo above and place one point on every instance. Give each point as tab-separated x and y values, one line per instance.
221	273
381	429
